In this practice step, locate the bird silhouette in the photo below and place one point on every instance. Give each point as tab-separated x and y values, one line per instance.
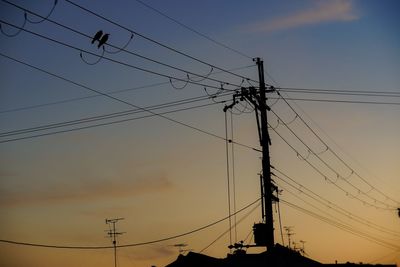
103	40
97	36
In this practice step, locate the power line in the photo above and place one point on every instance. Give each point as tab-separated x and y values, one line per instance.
310	150
332	205
69	100
79	85
383	93
131	244
101	124
228	177
187	81
121	49
96	95
385	256
340	92
340	101
225	232
336	155
113	115
342	226
233	174
315	207
126	102
347	193
375	93
330	138
152	40
193	30
297	115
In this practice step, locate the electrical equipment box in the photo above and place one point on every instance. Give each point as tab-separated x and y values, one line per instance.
260	234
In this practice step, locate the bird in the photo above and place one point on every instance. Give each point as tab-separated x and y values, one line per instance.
97	36
103	40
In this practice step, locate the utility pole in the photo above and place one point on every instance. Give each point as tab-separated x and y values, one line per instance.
263	232
112	233
266	162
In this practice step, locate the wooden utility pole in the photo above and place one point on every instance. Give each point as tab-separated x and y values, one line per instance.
266	162
263	232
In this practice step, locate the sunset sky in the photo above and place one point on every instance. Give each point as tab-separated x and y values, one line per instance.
69	157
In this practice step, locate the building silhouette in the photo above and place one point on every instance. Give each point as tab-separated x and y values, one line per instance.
278	256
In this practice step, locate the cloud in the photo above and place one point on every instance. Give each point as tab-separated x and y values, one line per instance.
85	191
322	11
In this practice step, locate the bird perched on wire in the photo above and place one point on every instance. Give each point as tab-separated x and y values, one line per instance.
103	40
97	36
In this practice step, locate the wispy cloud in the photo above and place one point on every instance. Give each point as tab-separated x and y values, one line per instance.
322	11
87	190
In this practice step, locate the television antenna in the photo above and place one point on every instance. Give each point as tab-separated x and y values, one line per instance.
112	233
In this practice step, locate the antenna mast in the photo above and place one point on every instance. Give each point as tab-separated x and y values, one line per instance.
112	233
289	233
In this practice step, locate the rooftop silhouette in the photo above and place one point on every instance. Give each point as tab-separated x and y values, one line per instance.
278	256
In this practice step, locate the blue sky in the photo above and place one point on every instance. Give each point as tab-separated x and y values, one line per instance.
58	189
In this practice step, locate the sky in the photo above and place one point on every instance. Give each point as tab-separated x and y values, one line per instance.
167	174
